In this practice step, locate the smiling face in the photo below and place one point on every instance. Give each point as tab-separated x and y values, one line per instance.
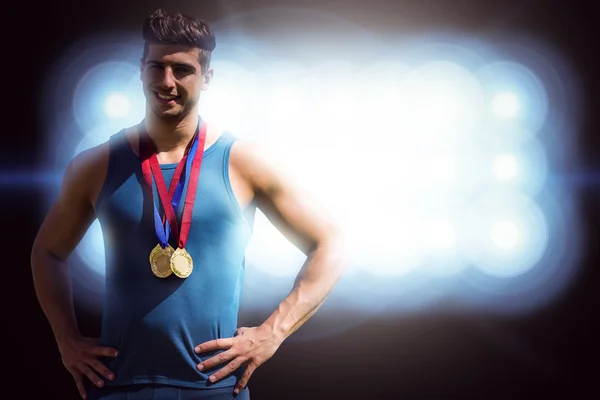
173	79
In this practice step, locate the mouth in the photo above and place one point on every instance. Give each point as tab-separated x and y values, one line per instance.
166	98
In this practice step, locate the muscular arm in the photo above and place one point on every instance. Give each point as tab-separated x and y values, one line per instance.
309	227
62	229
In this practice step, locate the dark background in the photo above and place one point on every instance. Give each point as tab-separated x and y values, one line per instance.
553	353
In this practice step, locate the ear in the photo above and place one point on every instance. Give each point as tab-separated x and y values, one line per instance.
207	79
141	68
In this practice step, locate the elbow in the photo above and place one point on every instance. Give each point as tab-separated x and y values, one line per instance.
337	248
35	254
41	256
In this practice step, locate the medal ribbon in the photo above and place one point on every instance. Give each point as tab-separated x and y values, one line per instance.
145	152
162	231
150	166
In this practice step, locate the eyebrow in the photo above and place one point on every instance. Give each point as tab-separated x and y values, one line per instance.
154	62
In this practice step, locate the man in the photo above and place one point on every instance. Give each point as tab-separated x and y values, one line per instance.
175	198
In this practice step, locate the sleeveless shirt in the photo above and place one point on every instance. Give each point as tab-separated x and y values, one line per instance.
155	323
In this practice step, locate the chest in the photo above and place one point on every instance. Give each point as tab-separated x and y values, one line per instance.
128	208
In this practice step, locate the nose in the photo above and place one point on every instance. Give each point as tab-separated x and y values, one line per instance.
168	78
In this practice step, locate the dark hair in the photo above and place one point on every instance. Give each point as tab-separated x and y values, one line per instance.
177	28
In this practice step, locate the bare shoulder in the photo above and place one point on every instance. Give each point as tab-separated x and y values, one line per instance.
282	195
86	172
261	166
132	136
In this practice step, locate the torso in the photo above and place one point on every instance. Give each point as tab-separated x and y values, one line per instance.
241	188
171	314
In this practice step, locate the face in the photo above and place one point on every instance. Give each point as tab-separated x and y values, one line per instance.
173	80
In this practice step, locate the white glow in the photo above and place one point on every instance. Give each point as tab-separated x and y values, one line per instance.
283	102
441	238
505	235
505	167
387	253
443	168
117	105
224	107
102	91
505	105
523	167
444	101
517	94
95	137
411	157
229	101
443	235
270	252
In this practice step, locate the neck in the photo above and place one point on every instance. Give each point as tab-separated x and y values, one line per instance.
169	135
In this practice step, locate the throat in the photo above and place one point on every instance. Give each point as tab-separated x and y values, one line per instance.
170	157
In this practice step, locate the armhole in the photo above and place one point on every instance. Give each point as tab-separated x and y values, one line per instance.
111	162
228	145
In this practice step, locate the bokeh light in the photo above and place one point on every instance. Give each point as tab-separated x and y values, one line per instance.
432	159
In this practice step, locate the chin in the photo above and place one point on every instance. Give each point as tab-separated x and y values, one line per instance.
171	116
174	113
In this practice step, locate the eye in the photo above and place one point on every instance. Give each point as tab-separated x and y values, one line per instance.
183	70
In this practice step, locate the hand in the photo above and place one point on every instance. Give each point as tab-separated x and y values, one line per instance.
80	357
250	347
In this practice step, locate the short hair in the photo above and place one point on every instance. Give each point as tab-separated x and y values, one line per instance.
163	28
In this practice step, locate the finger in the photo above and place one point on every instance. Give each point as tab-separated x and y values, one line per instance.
239	332
228	369
79	383
217	344
92	376
241	384
102	369
104	351
216	360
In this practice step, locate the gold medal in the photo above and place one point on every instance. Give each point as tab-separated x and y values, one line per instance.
181	263
167	261
160	260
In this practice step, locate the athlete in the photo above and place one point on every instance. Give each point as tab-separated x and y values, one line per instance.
175	197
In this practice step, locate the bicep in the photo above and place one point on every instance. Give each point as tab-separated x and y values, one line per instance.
69	217
291	208
288	212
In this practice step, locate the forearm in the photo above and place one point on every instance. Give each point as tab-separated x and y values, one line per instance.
53	289
319	274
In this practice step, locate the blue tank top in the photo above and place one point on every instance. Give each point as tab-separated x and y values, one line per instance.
155	323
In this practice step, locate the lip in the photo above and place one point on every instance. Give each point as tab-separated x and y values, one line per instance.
166	102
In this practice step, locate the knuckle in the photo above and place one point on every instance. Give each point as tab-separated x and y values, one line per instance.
87	362
73	367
